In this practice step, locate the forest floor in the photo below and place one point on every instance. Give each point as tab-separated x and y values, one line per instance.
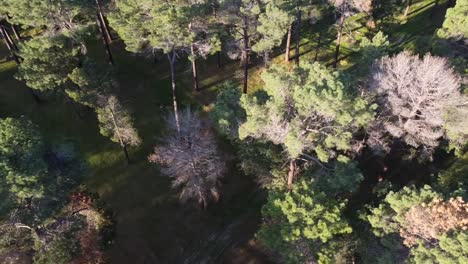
152	226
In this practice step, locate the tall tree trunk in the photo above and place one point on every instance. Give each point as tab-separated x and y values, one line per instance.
266	57
8	44
288	45
291	173
105	26
408	8
194	69
214	8
298	35
125	150
194	64
338	40
12	43
105	41
16	33
218	59
434	8
172	57
317	49
245	54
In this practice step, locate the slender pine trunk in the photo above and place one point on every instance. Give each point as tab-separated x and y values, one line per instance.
298	35
12	43
218	59
338	40
8	44
288	45
317	49
105	25
172	57
125	150
245	54
291	173
16	33
194	64
194	69
266	58
434	8
110	58
408	8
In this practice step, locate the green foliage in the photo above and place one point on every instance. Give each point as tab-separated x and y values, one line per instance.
454	178
273	24
303	215
39	13
344	178
92	82
308	108
157	24
60	251
371	50
48	61
22	167
116	123
456	126
456	22
227	112
452	248
262	160
390	215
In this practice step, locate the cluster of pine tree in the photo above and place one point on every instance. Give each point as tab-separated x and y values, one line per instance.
329	142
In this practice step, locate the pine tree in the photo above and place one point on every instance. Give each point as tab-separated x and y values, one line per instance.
307	110
116	123
22	168
299	223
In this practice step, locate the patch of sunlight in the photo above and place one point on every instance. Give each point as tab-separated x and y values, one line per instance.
104	158
7	65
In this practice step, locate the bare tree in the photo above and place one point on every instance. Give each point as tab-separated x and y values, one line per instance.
116	123
191	158
414	94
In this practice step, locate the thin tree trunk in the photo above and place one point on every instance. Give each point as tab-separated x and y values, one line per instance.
245	55
16	33
105	41
117	131
105	26
8	44
214	8
172	56
194	69
298	35
266	57
317	49
288	45
434	8
127	157
338	40
194	64
218	59
408	8
291	173
12	43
